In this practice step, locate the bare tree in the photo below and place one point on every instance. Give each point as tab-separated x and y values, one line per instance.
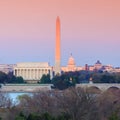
5	101
5	104
79	104
109	103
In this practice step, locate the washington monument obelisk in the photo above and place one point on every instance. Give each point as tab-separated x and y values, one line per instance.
57	50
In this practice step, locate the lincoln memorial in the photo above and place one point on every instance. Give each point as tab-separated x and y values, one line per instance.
32	71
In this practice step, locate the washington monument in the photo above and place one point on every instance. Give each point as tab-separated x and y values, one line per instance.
57	50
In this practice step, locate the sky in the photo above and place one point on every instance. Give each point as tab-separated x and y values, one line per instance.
90	30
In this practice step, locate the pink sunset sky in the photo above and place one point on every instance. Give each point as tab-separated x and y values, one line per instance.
90	30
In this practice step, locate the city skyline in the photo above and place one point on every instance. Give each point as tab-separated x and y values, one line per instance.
89	30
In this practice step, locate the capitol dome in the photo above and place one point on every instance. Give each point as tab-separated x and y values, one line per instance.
71	61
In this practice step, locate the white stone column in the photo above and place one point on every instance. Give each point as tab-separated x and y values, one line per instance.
36	73
14	72
22	73
30	75
39	73
26	73
19	72
33	74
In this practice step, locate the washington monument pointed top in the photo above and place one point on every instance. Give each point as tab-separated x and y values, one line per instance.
58	18
57	50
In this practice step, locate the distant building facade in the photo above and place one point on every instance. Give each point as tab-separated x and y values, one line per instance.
6	68
33	71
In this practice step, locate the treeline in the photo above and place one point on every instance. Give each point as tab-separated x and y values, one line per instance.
69	104
84	77
10	78
69	79
42	116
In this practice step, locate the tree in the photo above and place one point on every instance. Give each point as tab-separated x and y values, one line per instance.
107	79
21	116
19	80
45	79
109	104
3	77
10	78
5	101
78	104
62	82
114	116
33	116
5	105
96	77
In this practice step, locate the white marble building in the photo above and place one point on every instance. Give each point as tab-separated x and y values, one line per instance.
32	71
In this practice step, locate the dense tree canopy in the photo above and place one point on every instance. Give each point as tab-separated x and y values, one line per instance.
97	77
10	78
45	79
3	77
64	81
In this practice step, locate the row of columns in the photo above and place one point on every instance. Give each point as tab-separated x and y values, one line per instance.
31	74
